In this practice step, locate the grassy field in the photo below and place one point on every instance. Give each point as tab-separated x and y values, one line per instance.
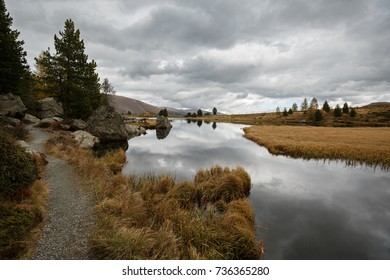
155	217
364	145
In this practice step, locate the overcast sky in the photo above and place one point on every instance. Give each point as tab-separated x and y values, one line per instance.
239	56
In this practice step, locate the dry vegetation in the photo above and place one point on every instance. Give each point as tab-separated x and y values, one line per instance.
154	217
369	146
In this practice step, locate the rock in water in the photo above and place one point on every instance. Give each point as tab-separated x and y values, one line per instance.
107	125
12	106
49	108
133	131
163	123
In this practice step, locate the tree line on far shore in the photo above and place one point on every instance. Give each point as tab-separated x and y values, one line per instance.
313	111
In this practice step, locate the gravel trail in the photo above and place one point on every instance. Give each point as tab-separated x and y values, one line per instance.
69	221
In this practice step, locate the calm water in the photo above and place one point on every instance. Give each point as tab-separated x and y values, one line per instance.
304	209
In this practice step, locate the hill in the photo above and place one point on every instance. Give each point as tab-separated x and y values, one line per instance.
125	104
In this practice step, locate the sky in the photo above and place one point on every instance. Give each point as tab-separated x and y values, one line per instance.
238	56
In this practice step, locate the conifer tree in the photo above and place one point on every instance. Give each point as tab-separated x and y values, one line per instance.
337	111
69	76
345	108
304	105
214	111
285	113
326	107
13	63
294	107
200	113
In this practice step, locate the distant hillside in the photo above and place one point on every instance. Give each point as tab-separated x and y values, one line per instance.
125	104
378	105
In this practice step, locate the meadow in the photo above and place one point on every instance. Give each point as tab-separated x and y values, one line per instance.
363	145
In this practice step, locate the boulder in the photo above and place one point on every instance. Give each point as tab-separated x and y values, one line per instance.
85	139
49	108
107	125
13	121
12	106
48	121
78	125
163	123
31	119
134	130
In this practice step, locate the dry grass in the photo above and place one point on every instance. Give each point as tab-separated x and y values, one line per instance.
154	217
370	146
21	221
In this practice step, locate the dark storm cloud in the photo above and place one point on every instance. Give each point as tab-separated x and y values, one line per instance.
251	54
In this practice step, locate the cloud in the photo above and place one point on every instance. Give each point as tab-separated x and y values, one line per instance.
236	54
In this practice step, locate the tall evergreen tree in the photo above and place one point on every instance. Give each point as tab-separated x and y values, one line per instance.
337	111
214	111
200	113
13	63
345	108
304	105
326	107
69	76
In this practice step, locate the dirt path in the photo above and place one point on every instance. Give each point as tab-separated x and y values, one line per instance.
70	219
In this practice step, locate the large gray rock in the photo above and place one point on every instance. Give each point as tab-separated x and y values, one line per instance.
49	108
134	130
85	139
78	125
12	106
48	121
31	119
163	123
107	125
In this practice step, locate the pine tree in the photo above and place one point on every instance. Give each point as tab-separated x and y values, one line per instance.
214	111
352	113
345	108
285	113
294	107
13	63
317	116
200	113
337	111
69	76
290	111
304	105
326	107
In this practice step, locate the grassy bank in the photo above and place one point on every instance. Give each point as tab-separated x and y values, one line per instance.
22	198
369	146
155	217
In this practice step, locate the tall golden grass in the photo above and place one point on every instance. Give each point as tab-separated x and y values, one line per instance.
155	217
370	146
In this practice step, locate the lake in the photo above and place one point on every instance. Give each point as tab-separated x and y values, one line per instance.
304	209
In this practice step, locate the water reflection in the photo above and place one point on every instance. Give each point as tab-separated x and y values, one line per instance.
162	133
304	209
